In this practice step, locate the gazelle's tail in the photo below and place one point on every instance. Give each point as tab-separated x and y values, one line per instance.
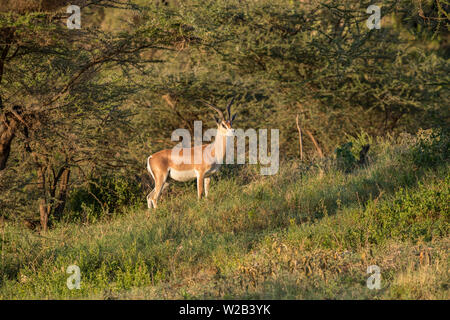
149	168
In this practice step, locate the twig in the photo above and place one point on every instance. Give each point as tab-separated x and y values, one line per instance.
299	138
319	151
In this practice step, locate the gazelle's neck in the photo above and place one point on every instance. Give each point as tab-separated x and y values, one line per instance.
220	146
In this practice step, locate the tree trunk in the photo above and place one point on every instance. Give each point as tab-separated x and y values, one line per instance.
43	212
62	194
7	132
43	207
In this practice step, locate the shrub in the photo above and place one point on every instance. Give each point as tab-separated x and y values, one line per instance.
423	213
431	148
102	196
345	159
358	142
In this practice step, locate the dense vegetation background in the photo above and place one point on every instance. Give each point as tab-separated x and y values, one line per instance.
80	110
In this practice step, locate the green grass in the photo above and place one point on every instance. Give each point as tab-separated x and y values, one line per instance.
305	233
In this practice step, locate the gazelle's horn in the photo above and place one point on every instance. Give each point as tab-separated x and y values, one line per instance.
214	108
229	108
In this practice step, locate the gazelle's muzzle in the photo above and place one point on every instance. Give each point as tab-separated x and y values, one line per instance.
230	133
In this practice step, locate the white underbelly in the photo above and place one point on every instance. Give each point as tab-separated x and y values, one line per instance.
184	175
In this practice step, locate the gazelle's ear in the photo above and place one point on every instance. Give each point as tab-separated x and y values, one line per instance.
234	116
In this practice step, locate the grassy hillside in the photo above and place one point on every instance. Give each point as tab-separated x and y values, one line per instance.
309	232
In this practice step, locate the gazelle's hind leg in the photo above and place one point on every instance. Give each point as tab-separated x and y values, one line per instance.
159	176
160	183
207	181
159	180
149	199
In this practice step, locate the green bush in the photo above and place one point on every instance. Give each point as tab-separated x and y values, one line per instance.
431	148
102	196
358	142
423	213
345	159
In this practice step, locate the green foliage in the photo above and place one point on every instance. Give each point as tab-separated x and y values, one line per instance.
353	153
345	158
102	196
432	148
420	214
293	58
359	141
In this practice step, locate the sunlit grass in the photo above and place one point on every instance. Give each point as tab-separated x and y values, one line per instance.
301	234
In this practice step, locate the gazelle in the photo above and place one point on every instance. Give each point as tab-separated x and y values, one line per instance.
167	163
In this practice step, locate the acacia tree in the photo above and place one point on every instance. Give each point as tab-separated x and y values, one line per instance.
63	93
317	59
93	99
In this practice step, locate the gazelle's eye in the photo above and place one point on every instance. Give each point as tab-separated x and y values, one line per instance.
224	126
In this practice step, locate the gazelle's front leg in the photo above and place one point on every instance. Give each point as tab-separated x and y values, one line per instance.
200	183
207	181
